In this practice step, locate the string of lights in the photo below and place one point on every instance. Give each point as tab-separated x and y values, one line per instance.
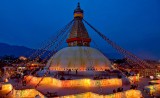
121	50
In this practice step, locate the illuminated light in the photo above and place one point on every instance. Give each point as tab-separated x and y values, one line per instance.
104	82
155	81
126	94
133	94
66	83
22	58
87	82
133	79
153	89
78	15
98	83
27	93
75	83
5	89
6	80
31	93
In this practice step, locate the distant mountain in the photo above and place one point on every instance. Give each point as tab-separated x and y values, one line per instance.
6	49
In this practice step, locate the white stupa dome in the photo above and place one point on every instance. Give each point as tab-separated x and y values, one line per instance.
79	58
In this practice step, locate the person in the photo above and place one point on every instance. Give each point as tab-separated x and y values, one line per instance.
24	83
143	89
49	72
69	78
48	92
0	86
55	94
62	78
118	90
114	91
131	87
76	71
109	77
69	71
136	86
121	89
119	76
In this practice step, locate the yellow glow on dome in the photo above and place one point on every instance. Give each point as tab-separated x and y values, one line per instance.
80	58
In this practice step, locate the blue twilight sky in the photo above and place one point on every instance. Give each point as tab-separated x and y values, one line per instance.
133	24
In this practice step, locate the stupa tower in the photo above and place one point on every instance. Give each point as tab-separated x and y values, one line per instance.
78	35
78	55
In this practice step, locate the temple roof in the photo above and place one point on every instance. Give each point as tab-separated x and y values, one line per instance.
77	58
78	9
78	35
78	30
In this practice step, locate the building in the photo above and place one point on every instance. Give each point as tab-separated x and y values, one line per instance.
78	56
